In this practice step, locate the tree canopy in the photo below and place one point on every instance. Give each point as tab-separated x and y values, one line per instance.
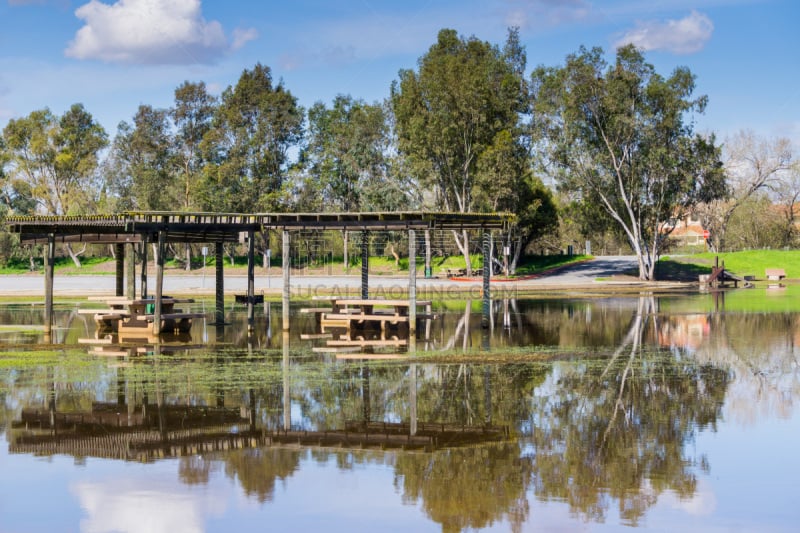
618	136
464	100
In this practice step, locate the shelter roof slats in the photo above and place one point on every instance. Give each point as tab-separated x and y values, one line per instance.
225	227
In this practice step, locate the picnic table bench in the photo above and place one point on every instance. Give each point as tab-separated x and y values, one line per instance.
775	274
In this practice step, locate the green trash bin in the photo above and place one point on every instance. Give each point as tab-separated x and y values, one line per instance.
428	272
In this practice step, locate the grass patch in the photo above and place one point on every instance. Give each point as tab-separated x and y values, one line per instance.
751	262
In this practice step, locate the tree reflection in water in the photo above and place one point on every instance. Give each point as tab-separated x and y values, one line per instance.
592	431
616	429
464	488
258	469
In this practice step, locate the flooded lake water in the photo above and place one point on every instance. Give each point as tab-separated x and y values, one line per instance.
660	412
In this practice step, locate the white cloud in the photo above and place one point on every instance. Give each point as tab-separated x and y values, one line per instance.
146	503
685	36
241	36
151	32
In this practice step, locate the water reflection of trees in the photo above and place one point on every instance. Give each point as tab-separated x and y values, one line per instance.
598	432
258	469
468	488
617	429
761	351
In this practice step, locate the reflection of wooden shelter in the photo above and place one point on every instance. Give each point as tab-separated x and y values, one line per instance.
178	430
428	436
146	432
163	227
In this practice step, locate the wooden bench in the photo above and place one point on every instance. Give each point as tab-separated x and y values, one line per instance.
111	310
171	316
370	342
306	310
775	274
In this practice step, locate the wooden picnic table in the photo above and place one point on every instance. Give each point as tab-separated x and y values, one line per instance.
347	312
400	307
135	315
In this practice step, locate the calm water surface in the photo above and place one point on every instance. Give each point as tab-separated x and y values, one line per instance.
652	412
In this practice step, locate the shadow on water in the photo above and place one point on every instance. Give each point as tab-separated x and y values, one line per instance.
605	427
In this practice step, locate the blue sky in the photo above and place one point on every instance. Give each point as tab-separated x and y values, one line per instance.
114	55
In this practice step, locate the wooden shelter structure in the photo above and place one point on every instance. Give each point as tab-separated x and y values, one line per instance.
125	230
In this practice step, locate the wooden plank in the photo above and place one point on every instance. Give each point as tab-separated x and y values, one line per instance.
100	311
307	310
312	336
370	356
335	349
109	353
371	342
105	340
170	316
362	317
378	302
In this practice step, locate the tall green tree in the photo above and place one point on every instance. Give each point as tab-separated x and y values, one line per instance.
144	165
254	128
53	161
57	157
192	114
346	151
505	183
464	95
346	155
618	135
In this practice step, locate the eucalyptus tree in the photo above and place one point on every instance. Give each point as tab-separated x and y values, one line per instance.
254	127
143	163
465	97
505	183
617	135
55	159
191	114
346	156
346	150
58	157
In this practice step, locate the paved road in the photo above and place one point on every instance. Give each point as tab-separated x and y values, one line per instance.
575	276
589	271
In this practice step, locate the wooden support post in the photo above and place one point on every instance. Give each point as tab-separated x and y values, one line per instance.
287	290
49	258
487	297
251	313
287	396
162	237
364	265
143	273
412	286
428	269
119	250
412	394
219	304
130	266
